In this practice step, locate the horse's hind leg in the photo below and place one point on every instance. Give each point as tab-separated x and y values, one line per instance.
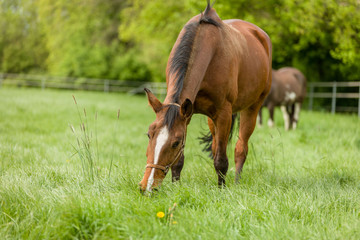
296	115
271	115
176	169
247	126
286	117
259	118
291	112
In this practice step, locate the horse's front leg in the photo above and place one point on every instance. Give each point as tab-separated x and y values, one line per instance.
176	168
222	130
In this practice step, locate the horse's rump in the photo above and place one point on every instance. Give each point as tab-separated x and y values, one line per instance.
289	85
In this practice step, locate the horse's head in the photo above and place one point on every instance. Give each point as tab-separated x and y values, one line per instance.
166	139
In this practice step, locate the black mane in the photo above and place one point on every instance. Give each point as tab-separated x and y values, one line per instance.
171	114
180	61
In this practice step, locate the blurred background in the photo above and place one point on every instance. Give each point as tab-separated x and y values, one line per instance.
130	40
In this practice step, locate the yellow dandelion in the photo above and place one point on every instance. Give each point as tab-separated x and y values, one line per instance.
160	214
67	160
174	222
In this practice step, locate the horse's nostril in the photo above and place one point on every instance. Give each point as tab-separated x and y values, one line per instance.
142	191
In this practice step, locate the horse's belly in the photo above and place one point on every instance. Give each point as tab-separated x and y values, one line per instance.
251	86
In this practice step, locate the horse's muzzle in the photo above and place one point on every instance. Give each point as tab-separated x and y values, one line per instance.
154	188
142	188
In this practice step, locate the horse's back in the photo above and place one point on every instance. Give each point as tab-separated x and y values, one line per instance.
295	72
254	70
251	31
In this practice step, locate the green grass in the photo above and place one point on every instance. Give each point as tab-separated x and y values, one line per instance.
302	184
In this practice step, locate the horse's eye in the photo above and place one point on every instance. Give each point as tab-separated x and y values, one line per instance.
148	135
175	144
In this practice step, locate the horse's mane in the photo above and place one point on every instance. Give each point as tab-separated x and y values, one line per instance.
180	61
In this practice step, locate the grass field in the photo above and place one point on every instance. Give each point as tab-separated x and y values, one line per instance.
302	184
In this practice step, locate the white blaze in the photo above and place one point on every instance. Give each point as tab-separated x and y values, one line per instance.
160	142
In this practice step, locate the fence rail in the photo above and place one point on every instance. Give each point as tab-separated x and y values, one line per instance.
334	93
159	88
106	85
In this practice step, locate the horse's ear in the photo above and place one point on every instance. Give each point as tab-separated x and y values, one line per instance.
153	101
186	108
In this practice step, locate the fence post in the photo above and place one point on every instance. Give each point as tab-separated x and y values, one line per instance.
106	86
311	97
333	99
43	80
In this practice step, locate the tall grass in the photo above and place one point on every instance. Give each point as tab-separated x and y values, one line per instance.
302	184
87	147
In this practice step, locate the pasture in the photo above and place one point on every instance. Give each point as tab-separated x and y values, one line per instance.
302	184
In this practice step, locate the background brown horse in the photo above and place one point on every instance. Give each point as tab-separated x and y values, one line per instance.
215	68
288	90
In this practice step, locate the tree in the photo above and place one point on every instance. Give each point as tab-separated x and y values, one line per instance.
132	39
82	39
322	38
21	39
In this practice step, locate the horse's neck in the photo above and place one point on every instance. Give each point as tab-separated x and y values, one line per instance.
198	65
203	49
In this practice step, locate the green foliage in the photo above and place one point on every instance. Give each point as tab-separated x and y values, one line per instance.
83	42
301	184
154	26
321	38
77	38
21	39
132	39
130	67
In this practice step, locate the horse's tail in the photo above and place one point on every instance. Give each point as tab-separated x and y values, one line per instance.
206	139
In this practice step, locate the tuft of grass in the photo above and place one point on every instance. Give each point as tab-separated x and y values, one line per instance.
87	146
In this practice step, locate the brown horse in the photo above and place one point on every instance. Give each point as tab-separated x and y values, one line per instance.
215	68
288	90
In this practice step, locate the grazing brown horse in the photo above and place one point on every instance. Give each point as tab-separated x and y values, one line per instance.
215	68
288	90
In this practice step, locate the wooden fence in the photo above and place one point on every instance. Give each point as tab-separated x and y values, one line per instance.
330	90
316	90
105	85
